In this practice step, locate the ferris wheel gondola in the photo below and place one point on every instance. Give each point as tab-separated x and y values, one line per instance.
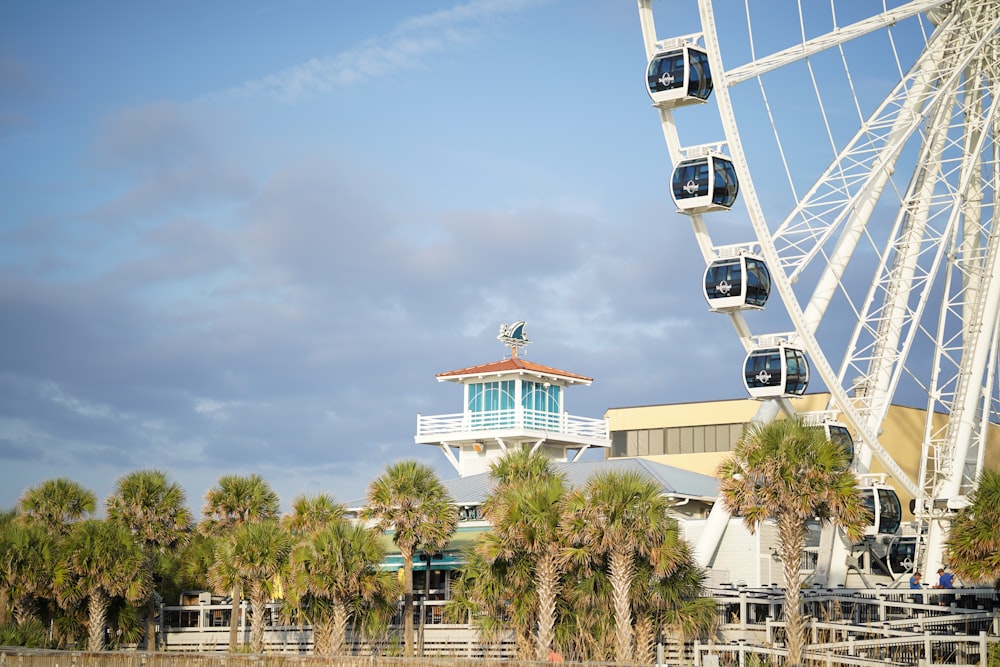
835	430
886	511
679	75
705	183
774	371
737	282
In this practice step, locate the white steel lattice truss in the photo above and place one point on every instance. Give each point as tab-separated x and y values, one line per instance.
908	202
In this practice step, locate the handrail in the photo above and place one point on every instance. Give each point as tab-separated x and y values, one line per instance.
561	423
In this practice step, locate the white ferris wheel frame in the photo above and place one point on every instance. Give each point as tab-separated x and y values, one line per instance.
935	240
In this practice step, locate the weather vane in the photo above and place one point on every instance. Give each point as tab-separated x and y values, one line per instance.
513	337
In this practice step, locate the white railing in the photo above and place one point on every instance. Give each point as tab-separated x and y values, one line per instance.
519	418
205	628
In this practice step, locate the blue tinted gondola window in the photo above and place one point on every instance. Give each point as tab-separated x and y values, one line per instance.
890	511
666	72
797	372
839	435
691	179
758	283
725	185
763	369
699	76
724	278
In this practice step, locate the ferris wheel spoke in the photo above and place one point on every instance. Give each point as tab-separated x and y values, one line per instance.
840	35
848	191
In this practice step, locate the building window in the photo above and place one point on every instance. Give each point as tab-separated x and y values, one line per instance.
491	404
676	440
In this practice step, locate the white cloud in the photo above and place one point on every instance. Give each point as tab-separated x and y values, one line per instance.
401	48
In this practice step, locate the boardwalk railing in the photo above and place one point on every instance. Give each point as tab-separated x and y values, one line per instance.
857	627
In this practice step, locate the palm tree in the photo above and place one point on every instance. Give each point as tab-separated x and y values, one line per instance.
236	500
334	572
789	472
194	561
56	504
6	519
26	553
623	518
409	499
259	552
525	510
674	606
100	560
154	510
973	545
495	596
311	514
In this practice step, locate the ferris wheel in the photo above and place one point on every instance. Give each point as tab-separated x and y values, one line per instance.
855	144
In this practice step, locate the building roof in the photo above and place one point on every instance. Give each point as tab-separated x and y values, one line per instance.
512	365
473	489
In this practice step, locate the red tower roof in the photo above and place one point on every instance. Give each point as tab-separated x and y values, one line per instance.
509	366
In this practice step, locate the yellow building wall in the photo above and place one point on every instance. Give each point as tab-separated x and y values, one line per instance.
901	436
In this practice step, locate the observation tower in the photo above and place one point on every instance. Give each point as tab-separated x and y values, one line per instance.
508	404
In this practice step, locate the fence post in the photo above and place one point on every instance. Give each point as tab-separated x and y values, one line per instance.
927	647
983	648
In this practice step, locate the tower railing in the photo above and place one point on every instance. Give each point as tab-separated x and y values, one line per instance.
556	423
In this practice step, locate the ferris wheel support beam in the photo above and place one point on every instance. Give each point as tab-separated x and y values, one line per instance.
904	125
884	363
719	516
867	159
824	370
978	347
886	359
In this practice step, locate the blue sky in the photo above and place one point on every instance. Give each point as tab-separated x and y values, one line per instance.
244	236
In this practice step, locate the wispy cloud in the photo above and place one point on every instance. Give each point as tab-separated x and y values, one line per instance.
403	47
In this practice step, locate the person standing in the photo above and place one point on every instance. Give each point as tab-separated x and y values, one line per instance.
915	581
945	580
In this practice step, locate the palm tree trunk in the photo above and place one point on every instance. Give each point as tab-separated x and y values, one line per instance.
258	600
791	536
97	616
23	609
150	603
548	589
645	636
408	605
324	637
339	624
234	619
621	581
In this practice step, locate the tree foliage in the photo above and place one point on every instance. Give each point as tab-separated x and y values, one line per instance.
410	500
790	472
973	546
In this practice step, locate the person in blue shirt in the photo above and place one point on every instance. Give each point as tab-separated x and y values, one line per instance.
945	580
915	580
